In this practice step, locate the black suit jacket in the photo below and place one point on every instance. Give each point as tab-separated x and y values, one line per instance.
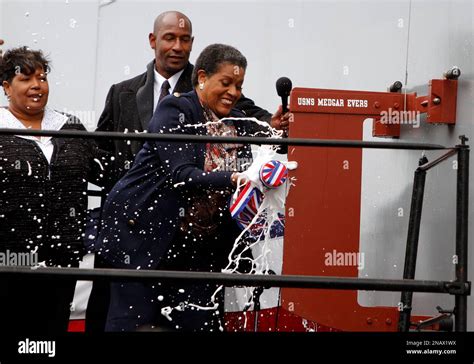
129	106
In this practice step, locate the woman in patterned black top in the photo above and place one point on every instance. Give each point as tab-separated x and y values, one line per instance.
43	196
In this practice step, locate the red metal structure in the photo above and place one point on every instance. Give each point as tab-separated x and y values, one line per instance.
323	209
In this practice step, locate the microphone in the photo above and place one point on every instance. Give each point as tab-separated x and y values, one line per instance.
283	86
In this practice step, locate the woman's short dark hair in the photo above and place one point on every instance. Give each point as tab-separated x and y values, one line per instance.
21	60
213	56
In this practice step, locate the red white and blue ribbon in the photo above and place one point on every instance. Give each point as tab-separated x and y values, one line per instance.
246	205
272	175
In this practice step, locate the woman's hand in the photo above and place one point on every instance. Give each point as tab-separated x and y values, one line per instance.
235	178
279	121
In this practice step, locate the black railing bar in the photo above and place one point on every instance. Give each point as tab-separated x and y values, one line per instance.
462	234
186	138
292	281
437	161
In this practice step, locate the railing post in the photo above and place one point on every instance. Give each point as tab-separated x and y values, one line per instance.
412	244
462	208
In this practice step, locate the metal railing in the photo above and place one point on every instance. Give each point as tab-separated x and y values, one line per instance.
460	287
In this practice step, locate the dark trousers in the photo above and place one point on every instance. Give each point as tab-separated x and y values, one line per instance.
35	305
99	300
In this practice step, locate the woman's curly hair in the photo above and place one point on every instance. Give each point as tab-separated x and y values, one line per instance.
21	60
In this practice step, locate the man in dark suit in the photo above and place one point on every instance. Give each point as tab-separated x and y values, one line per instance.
130	105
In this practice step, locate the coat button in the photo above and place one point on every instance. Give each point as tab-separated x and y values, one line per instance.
131	222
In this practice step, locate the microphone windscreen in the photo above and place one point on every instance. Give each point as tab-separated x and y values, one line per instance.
283	86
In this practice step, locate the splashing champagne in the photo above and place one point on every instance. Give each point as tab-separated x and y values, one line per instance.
270	212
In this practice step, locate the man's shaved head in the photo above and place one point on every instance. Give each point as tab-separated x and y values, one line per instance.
163	18
172	41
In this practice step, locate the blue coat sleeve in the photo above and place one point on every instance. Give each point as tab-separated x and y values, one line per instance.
180	160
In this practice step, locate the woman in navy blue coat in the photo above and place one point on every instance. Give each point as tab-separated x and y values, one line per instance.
170	211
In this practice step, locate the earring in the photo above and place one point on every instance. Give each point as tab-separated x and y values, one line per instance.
201	85
8	97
